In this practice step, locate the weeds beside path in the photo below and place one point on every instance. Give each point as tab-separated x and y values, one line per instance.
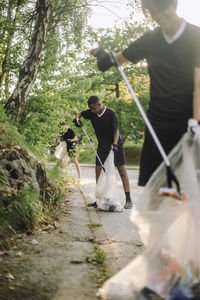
58	262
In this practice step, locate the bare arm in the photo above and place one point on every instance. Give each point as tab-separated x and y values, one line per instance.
78	116
196	94
75	139
56	142
116	137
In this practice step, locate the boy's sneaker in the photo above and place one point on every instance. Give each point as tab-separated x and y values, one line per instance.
128	205
93	204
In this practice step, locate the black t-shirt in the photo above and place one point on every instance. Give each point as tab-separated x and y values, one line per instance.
69	134
104	125
171	70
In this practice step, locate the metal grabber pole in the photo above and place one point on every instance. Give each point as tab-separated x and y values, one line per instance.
93	147
170	174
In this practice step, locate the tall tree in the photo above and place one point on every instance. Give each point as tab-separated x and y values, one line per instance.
57	22
31	64
13	9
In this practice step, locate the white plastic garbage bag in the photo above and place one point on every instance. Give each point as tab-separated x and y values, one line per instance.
61	153
107	194
60	150
169	267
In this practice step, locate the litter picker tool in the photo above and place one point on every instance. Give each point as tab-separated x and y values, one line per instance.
170	174
92	145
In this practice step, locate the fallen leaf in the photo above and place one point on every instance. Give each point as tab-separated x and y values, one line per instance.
19	254
11	288
9	276
76	261
34	242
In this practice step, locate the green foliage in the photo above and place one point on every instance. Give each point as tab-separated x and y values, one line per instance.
62	94
68	75
99	258
10	134
17	18
3	116
112	89
18	211
132	153
21	212
23	209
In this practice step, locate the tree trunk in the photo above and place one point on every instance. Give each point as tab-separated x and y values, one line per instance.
6	84
10	35
117	90
28	72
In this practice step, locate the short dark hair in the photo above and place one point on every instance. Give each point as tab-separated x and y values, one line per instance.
61	123
93	100
160	4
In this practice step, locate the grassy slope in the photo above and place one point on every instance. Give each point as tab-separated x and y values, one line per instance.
21	211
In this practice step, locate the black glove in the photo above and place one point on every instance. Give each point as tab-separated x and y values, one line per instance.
78	123
105	59
114	147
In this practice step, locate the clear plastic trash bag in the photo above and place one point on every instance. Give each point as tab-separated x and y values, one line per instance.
60	150
106	189
169	267
61	153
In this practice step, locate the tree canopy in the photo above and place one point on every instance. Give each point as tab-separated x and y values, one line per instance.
47	72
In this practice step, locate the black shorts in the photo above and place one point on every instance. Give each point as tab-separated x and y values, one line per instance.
104	150
71	152
151	157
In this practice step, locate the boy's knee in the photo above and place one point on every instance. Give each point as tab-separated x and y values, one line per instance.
98	169
122	170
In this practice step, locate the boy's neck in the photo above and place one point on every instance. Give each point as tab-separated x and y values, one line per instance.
173	28
101	109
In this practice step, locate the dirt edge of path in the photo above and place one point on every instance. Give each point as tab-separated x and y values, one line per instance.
57	262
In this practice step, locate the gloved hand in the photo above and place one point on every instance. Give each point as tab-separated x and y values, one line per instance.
193	125
78	123
114	147
105	59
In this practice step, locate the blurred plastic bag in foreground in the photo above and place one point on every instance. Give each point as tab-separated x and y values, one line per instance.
169	267
108	198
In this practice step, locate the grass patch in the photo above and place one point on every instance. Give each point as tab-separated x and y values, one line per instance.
18	213
59	191
86	154
94	225
102	271
132	154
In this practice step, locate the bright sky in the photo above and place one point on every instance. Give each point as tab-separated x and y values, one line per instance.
102	17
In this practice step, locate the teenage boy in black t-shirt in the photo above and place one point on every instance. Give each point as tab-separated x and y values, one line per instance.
104	122
172	52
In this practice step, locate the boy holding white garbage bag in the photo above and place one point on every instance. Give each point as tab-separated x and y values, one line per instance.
68	136
105	124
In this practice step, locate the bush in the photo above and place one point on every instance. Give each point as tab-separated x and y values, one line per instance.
132	153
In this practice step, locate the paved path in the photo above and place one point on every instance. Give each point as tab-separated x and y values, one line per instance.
60	265
117	234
